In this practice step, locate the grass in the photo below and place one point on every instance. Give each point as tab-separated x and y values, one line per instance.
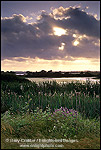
44	125
51	111
21	97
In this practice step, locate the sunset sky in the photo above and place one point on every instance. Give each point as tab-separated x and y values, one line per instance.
50	35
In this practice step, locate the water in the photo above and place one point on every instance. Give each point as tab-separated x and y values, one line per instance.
63	80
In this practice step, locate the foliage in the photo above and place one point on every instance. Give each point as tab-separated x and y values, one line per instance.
11	77
22	97
62	123
51	110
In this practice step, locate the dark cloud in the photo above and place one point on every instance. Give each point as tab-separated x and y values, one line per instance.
74	18
20	39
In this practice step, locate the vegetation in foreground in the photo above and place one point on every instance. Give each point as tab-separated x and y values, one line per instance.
51	111
61	124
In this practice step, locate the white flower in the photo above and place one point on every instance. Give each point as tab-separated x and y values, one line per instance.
54	127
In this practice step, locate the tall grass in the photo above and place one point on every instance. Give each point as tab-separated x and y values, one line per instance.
23	97
51	110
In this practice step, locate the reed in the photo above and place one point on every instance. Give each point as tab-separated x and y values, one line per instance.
22	97
51	111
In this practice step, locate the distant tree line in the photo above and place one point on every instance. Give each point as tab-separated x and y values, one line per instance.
44	73
58	74
12	77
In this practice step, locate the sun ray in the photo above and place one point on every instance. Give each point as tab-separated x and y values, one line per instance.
76	43
59	31
61	48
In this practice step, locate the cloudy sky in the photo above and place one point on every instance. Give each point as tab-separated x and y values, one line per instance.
50	35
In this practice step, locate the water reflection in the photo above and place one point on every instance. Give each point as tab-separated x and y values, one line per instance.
64	80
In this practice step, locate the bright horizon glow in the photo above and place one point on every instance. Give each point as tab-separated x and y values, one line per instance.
49	36
37	64
59	31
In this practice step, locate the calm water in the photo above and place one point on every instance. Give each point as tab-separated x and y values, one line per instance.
61	80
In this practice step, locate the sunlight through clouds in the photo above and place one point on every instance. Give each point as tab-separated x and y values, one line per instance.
59	31
61	48
75	43
50	37
56	64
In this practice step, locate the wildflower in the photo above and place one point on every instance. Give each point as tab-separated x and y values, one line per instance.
78	93
49	94
97	96
54	127
45	94
79	101
39	93
63	109
73	113
70	110
84	94
56	110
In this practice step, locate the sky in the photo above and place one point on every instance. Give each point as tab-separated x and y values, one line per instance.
50	35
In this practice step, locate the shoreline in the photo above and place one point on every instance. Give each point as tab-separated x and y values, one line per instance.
61	77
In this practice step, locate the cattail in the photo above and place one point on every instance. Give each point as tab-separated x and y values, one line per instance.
21	87
76	100
79	102
28	96
61	94
73	95
94	94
